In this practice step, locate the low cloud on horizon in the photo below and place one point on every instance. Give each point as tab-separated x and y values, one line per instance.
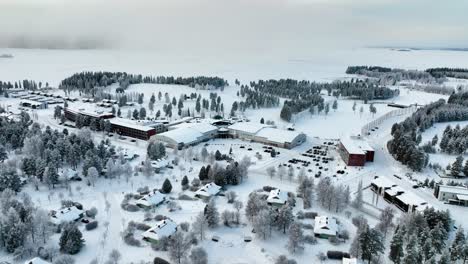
234	25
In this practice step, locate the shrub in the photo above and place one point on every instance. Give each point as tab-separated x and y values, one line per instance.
159	260
307	226
130	240
91	212
268	188
310	215
91	225
300	215
310	239
160	217
359	221
185	197
184	226
131	208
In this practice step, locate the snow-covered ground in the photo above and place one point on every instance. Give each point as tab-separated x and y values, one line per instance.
53	66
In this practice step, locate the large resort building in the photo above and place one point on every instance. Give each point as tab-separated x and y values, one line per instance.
121	126
188	132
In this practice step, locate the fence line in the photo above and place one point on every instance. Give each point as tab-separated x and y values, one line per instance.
397	112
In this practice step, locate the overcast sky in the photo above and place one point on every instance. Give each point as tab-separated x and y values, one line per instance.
237	25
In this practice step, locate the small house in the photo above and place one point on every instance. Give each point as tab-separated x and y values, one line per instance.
68	214
277	197
164	228
325	227
152	199
208	190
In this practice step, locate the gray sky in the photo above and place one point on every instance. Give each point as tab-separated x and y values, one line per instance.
233	25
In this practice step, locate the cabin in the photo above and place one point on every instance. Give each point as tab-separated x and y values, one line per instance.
152	199
277	198
164	228
65	215
325	227
210	189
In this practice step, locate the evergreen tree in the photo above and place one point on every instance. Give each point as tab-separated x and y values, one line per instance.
371	242
167	186
396	248
71	239
457	167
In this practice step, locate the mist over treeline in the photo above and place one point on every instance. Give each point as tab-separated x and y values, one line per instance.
276	26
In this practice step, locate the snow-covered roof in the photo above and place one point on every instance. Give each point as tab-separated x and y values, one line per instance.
247	127
411	199
160	163
356	145
395	191
36	261
383	182
453	189
189	132
462	197
152	198
163	228
350	261
277	196
128	123
208	190
67	214
325	225
277	135
182	135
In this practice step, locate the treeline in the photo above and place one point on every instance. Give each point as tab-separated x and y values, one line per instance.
422	237
87	81
24	84
365	90
448	72
302	94
459	98
454	141
255	99
407	134
391	76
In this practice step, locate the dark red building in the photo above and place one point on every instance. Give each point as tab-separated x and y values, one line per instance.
355	151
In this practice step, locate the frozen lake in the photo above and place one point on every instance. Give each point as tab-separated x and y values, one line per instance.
54	65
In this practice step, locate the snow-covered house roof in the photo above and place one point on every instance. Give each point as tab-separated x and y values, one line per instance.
67	214
325	225
163	228
151	199
36	261
277	197
160	163
208	190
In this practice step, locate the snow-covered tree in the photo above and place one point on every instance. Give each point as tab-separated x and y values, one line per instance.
71	239
296	238
179	246
198	255
200	226
212	214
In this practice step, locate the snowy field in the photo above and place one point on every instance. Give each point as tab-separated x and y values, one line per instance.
107	195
